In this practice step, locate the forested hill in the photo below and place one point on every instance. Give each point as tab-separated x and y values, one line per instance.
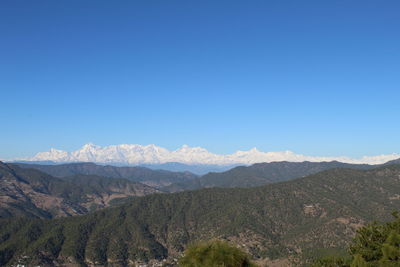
298	218
32	193
260	174
395	161
154	178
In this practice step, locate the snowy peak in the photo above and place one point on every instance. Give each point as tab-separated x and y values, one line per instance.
90	147
134	154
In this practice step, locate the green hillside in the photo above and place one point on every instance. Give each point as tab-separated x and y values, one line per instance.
32	193
261	174
298	219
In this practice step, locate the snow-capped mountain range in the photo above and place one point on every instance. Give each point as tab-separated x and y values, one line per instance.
152	154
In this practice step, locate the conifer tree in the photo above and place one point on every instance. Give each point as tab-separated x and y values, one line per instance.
391	250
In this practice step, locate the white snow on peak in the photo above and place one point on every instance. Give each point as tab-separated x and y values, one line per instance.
152	154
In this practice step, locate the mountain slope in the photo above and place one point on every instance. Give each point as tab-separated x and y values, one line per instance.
198	169
260	174
294	219
395	161
29	192
154	178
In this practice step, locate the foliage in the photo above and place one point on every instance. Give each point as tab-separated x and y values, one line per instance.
391	250
358	261
332	261
214	254
374	245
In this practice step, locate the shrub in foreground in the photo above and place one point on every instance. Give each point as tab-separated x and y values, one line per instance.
214	254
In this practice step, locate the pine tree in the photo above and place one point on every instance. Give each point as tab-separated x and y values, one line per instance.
391	250
368	242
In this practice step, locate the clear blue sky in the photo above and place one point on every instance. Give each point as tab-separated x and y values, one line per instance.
314	77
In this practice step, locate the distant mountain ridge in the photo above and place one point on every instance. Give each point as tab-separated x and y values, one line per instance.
395	161
151	154
260	174
154	178
241	176
198	169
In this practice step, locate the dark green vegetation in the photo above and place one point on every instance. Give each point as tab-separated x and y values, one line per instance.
198	169
260	174
299	219
154	178
29	192
214	254
374	245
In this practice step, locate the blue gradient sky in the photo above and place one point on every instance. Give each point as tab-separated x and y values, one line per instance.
314	77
